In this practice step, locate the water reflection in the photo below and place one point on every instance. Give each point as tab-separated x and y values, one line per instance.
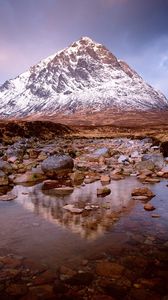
89	224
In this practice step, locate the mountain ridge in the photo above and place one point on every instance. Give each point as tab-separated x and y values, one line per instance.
84	76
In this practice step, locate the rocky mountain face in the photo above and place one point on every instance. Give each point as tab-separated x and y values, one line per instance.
83	77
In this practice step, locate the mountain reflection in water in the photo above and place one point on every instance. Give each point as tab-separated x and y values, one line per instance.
89	224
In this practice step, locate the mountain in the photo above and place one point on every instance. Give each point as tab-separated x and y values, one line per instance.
83	77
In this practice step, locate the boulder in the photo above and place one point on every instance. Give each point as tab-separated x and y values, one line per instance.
143	192
57	165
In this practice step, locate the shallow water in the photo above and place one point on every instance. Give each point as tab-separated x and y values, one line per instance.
36	225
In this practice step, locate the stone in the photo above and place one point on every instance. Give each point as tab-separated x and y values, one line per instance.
30	176
141	198
5	167
57	165
143	192
122	159
77	177
103	191
105	178
8	197
135	154
145	165
12	159
49	184
63	190
156	159
149	207
109	269
71	208
152	180
3	179
91	179
116	177
33	153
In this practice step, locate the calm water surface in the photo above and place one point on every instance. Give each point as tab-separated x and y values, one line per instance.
36	225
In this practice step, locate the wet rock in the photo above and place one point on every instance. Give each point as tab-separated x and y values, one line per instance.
49	184
3	179
57	165
30	176
140	198
109	269
116	177
63	190
143	192
149	207
103	191
152	180
71	208
8	197
91	179
105	178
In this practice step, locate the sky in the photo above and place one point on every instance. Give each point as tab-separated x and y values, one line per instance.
134	30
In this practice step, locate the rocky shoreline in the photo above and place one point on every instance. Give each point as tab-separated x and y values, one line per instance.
62	165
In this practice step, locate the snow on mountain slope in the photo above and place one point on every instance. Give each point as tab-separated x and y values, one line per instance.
83	76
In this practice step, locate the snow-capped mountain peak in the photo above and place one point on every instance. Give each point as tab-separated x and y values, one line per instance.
83	76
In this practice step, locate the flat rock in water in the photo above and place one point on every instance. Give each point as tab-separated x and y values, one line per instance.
49	184
149	207
72	209
103	191
141	198
63	190
8	197
105	179
143	192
